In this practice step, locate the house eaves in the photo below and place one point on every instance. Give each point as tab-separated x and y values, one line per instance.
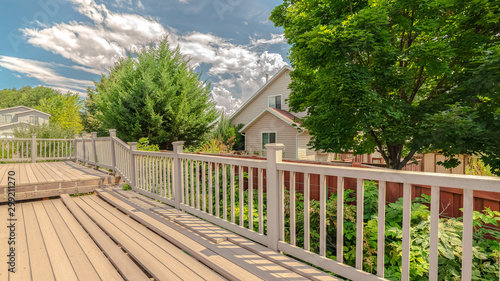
278	74
276	113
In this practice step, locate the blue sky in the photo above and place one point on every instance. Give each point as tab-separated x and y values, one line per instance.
67	44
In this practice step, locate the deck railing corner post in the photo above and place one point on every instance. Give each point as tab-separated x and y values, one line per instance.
94	153
75	143
178	149
33	148
112	136
274	153
133	147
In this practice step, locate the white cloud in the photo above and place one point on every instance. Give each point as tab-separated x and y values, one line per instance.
236	71
45	73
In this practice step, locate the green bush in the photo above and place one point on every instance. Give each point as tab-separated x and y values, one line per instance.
486	246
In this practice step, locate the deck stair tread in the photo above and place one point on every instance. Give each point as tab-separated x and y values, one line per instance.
259	260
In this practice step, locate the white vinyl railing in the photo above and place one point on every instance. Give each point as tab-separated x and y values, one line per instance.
35	149
230	192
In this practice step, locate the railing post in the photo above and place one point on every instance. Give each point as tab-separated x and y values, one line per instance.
75	144
112	136
178	149
33	148
274	153
83	150
133	146
94	153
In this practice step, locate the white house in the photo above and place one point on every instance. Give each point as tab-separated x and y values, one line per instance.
267	119
12	117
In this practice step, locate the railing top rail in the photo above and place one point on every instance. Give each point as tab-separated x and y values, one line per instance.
256	163
56	139
421	178
14	139
119	141
154	153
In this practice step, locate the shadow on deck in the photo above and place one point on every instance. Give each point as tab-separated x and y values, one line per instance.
120	235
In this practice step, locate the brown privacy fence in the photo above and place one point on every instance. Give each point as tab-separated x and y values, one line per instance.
451	199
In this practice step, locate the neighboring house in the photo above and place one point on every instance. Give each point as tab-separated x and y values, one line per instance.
12	117
267	119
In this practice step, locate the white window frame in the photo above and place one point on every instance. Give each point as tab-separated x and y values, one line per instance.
274	96
4	117
268	132
35	120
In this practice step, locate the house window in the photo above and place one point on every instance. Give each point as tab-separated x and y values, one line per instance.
268	138
7	118
275	102
34	120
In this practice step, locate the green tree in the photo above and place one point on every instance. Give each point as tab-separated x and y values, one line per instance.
64	110
155	94
90	121
397	76
26	96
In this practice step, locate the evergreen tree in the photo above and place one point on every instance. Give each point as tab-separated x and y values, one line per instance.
155	94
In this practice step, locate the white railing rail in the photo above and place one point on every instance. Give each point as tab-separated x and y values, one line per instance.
230	192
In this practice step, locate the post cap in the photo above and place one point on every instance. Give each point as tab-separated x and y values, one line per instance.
94	134
112	132
177	143
275	146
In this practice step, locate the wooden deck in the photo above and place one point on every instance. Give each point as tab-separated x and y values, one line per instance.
39	180
120	235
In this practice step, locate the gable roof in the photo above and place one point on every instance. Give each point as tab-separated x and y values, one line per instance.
27	109
278	74
285	116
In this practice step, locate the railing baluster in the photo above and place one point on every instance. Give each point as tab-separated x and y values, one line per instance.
260	202
224	191
307	227
192	182
169	179
210	194
250	198
434	239
360	190
217	190
186	183
381	228
292	209
323	197
405	258
281	207
467	234
340	219
240	190
232	179
204	187
198	185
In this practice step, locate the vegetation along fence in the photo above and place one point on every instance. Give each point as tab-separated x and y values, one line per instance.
352	234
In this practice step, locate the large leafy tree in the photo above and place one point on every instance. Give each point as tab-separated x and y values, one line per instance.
26	96
397	76
155	94
64	110
89	115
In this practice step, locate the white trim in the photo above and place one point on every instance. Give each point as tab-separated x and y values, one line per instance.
268	132
262	113
28	109
278	74
32	110
281	101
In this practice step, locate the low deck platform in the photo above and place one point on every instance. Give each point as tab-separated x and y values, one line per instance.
39	180
120	235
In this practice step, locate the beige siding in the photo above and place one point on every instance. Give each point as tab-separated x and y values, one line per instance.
260	102
305	152
42	118
285	134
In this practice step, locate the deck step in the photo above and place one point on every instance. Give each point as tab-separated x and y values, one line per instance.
248	255
160	258
127	268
